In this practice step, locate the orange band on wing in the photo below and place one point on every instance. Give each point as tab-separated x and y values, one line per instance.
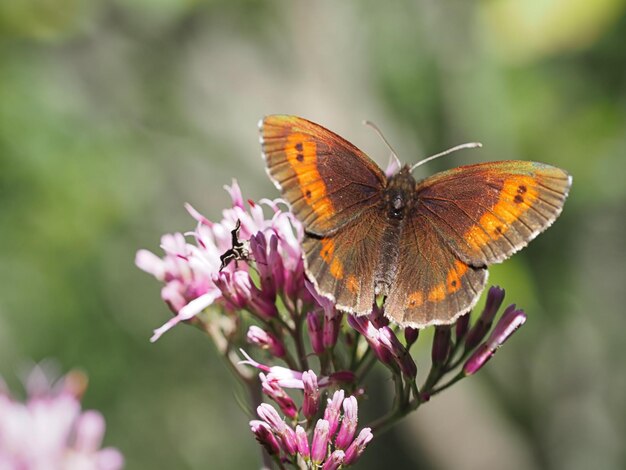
453	279
327	254
437	293
415	300
517	195
352	283
302	157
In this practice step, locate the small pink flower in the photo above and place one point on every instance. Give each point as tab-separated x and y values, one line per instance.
442	342
265	437
278	426
315	327
402	357
348	424
319	447
310	403
265	340
302	442
495	296
334	461
410	336
510	321
50	430
276	393
333	408
354	451
372	336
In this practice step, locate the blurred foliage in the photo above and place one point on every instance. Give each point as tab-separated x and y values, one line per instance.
114	113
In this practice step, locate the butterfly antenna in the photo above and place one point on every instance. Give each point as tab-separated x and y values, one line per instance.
380	134
469	145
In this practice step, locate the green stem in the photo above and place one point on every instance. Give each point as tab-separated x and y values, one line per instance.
298	339
454	380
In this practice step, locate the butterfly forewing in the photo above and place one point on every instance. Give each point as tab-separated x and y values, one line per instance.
326	180
488	211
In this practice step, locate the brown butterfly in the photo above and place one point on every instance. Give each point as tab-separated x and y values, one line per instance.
423	245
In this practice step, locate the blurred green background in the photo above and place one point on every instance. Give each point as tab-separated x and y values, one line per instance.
115	113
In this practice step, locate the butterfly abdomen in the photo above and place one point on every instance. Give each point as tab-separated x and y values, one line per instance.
397	203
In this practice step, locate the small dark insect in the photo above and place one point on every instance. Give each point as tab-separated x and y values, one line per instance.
238	250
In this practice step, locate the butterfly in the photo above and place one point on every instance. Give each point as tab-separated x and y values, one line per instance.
423	245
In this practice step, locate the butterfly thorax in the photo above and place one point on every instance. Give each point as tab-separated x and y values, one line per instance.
398	195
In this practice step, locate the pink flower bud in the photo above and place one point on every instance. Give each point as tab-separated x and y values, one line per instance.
483	324
410	336
319	446
331	414
264	436
311	400
334	461
265	340
461	326
276	393
357	447
348	424
332	322
314	324
441	345
401	355
279	427
510	321
302	443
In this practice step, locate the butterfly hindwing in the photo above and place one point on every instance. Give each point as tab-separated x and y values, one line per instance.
343	266
432	285
487	212
326	180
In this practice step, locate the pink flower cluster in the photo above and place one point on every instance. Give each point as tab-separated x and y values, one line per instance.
50	431
191	272
288	321
333	443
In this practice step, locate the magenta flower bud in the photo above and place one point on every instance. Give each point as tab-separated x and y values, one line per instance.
265	340
510	321
314	324
348	424
311	400
354	451
332	322
371	334
281	375
319	445
302	442
276	393
261	306
342	376
334	461
441	345
461	326
275	261
377	317
258	249
331	414
402	357
483	324
265	437
279	427
410	336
